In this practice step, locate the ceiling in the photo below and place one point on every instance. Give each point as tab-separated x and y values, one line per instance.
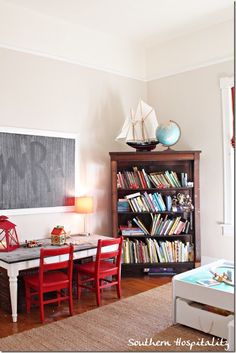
144	22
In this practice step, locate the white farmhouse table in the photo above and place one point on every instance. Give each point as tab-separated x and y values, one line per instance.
26	258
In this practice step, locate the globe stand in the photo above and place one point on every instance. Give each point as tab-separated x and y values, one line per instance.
169	149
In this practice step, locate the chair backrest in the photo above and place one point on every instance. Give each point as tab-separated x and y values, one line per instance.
103	254
56	264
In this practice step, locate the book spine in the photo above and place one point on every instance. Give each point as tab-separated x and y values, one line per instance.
132	206
171	232
176	179
140	225
146	179
169	179
148	201
169	226
154	203
145	203
130	196
161	201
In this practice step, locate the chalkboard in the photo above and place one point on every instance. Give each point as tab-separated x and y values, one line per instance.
36	171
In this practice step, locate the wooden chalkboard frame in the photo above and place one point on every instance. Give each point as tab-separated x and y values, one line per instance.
35	132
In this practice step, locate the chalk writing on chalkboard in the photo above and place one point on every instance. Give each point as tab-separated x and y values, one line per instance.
36	171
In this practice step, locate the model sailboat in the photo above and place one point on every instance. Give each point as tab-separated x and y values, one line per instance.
139	128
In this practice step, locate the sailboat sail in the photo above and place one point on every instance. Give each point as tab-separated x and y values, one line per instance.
140	126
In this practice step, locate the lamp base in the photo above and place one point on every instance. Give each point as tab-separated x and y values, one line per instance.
85	234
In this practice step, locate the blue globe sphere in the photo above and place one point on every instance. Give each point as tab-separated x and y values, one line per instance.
168	134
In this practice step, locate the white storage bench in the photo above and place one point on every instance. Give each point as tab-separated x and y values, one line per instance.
191	302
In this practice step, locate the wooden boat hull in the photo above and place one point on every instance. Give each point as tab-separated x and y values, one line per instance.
143	145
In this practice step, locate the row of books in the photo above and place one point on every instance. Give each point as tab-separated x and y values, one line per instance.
138	179
167	225
148	202
153	251
166	179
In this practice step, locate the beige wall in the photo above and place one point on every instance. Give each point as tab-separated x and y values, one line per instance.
45	94
193	100
204	47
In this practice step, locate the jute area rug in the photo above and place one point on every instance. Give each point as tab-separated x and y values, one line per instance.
131	324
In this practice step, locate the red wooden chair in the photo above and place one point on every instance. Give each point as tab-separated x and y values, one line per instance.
52	277
97	271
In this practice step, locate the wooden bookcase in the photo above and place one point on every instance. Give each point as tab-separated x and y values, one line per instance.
169	160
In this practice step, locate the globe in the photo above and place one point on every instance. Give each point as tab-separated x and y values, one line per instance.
168	133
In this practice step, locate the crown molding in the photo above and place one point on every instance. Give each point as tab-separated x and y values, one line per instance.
71	61
190	68
116	72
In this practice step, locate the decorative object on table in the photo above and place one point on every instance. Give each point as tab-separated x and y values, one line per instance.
8	235
168	134
84	205
139	128
223	274
58	236
32	244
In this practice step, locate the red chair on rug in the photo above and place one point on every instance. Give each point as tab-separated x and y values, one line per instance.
52	277
97	271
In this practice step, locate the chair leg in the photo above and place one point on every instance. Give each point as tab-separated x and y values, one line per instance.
118	288
27	298
78	285
41	306
58	298
71	301
98	294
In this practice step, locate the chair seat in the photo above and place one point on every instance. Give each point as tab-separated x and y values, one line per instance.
50	279
104	267
105	271
54	276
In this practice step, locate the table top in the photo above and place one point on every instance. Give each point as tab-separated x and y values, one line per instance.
206	273
80	242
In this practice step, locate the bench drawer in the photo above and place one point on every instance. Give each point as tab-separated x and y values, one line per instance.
197	316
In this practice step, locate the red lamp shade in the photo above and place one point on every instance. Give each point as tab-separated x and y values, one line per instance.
8	235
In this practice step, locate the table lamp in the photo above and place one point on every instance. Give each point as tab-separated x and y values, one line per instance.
84	205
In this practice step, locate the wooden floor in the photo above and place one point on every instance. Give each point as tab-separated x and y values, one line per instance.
130	287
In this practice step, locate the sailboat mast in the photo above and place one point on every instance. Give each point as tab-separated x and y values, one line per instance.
133	123
142	122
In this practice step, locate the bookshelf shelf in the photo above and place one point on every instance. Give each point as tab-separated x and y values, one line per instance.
143	171
160	264
161	212
155	189
158	236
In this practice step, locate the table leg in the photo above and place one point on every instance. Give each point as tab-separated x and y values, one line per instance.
231	336
13	293
173	303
